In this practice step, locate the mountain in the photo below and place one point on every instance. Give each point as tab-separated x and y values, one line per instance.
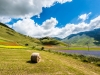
89	37
10	37
57	38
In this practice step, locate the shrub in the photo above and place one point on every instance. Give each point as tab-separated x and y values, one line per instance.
84	60
98	63
26	44
42	48
33	47
93	59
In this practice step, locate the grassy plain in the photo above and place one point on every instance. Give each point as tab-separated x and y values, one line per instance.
15	57
17	62
72	47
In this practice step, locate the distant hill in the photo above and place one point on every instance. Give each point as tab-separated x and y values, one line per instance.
82	38
57	38
51	41
10	37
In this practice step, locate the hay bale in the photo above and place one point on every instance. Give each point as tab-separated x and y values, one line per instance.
35	57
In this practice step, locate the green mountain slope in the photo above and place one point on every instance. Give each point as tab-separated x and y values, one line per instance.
10	37
14	61
90	37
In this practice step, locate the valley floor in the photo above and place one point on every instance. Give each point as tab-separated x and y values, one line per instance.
17	62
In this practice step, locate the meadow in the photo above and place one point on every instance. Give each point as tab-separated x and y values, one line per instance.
72	47
16	50
17	62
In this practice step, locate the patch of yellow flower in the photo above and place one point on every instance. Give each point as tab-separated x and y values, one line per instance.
15	47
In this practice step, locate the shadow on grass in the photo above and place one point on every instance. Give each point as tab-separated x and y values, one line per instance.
30	62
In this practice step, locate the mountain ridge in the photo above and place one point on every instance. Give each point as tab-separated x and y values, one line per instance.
8	36
92	37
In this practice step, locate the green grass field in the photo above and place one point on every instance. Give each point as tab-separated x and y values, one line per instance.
83	48
17	62
9	37
72	47
16	50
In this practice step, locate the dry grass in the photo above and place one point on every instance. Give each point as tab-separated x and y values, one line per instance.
17	62
54	47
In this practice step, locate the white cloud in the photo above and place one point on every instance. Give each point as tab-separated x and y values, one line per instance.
5	19
95	23
49	24
83	17
26	26
48	28
9	25
29	27
25	8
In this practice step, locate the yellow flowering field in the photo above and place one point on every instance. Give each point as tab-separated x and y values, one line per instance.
15	47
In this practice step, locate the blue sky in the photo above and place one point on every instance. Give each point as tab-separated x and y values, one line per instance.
69	12
55	18
64	13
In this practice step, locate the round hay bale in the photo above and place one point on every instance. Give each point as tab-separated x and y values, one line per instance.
35	57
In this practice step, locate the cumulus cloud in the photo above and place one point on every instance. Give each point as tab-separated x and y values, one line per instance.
26	26
25	8
49	24
95	23
5	19
29	27
48	28
83	17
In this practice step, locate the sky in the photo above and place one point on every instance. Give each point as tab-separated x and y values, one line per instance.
53	18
